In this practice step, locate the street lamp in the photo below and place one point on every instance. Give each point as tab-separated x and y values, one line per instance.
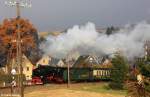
91	61
18	4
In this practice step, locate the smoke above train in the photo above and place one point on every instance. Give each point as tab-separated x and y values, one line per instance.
129	40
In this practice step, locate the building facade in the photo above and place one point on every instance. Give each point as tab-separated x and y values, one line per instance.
45	60
27	68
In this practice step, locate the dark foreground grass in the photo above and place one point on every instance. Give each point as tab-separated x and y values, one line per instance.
99	88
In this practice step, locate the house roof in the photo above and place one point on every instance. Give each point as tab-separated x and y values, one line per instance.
54	61
25	60
86	61
43	58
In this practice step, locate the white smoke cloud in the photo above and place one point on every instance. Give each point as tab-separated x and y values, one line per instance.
86	40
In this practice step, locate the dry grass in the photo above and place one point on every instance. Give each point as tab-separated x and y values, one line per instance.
76	90
67	93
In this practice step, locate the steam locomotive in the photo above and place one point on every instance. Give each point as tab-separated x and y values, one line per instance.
49	74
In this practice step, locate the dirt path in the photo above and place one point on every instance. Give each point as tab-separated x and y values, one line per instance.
66	93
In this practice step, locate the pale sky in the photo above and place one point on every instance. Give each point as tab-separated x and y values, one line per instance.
48	15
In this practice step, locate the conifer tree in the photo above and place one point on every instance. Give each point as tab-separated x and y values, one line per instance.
118	74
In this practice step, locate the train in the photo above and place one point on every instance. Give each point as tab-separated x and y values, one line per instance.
48	74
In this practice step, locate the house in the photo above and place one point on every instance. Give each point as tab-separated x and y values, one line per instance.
106	64
27	68
11	65
86	61
61	63
26	64
45	60
51	61
57	62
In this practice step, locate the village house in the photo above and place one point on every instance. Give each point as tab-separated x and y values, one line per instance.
45	60
106	64
26	64
57	62
86	61
50	61
27	68
92	61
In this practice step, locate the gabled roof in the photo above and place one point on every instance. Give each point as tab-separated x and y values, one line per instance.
25	59
54	61
44	60
86	61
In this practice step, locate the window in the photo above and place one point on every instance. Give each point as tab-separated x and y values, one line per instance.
97	73
43	61
27	68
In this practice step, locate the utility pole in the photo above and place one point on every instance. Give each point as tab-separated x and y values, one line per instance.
18	4
68	85
68	70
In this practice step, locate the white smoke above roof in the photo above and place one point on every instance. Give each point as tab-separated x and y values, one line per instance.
86	40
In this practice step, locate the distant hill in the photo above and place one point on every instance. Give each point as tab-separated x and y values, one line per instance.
56	33
45	34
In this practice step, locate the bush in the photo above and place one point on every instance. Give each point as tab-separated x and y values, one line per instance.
147	85
5	78
116	86
147	88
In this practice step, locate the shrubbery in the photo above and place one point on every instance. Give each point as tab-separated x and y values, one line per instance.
144	68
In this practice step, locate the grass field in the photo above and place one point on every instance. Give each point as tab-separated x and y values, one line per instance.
98	89
75	90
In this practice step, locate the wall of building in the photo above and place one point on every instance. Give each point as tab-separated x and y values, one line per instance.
27	68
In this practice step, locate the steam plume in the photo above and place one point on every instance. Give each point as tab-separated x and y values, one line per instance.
86	40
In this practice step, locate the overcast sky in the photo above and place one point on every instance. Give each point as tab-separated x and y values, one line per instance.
48	15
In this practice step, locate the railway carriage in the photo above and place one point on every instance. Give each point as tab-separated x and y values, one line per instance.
59	74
